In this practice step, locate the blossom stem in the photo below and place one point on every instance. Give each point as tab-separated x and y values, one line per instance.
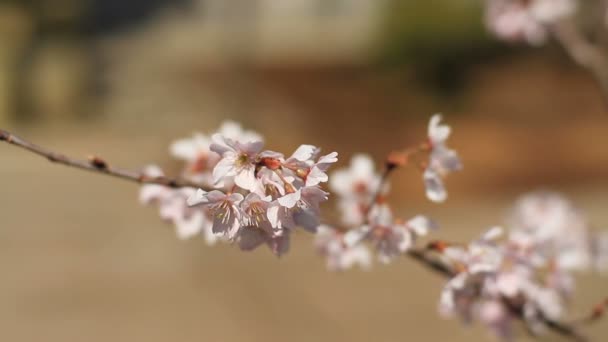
96	165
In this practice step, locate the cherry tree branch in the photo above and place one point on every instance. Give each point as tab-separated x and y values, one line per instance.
96	165
100	166
422	257
585	53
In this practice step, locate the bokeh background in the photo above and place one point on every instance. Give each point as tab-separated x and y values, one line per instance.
82	261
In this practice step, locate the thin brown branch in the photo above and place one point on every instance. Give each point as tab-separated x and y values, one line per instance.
95	164
583	52
422	257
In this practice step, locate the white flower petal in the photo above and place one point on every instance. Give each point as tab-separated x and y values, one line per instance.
435	191
290	200
438	133
304	153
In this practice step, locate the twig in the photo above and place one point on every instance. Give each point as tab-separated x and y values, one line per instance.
96	164
423	258
583	52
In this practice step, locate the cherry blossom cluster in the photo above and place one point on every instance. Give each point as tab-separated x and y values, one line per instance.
367	220
257	196
528	272
526	20
500	277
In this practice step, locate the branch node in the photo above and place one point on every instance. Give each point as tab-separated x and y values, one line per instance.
98	163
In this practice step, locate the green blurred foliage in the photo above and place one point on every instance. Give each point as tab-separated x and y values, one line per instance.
438	39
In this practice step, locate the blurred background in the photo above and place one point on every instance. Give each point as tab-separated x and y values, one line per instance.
123	78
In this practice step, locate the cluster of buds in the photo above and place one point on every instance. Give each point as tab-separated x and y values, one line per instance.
256	196
526	20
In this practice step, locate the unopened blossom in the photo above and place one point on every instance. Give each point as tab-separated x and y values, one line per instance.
526	20
340	256
223	209
442	160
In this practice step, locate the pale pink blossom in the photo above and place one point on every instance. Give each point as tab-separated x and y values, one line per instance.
497	317
197	155
482	255
300	208
195	150
317	172
173	208
457	297
223	209
238	162
251	237
557	231
442	160
340	256
301	165
390	238
526	20
355	187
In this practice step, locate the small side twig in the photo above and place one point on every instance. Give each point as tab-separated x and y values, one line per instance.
96	164
437	266
583	52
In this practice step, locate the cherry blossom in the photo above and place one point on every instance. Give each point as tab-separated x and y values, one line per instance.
188	222
195	150
526	20
259	198
442	160
355	187
340	256
557	232
238	161
223	208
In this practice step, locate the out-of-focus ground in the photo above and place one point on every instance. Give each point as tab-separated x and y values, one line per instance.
82	260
